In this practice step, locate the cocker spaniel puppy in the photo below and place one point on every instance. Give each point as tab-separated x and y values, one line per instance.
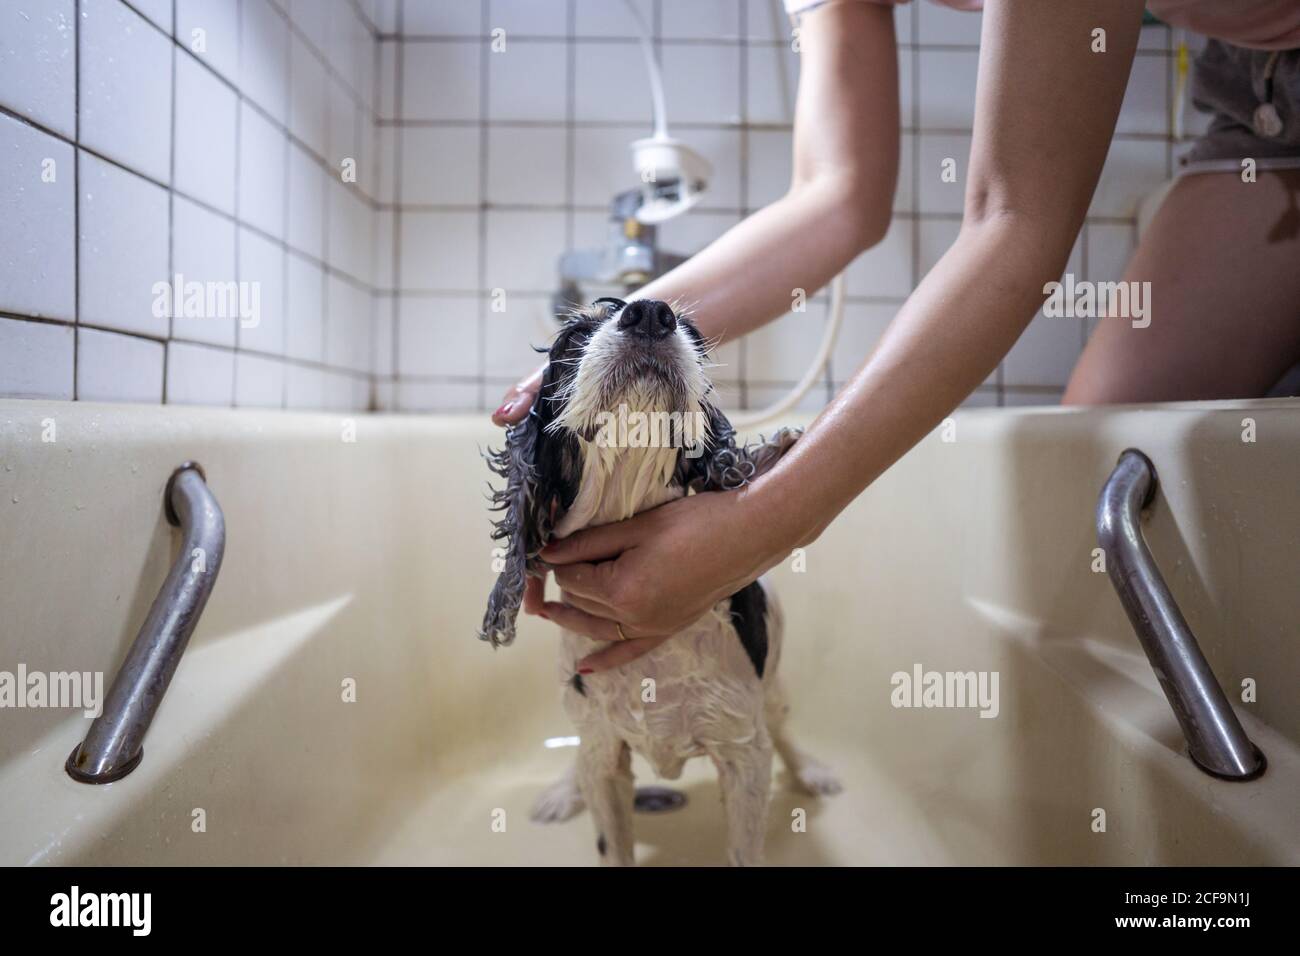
624	422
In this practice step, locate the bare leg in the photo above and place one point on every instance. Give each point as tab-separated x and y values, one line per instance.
1221	256
605	778
745	776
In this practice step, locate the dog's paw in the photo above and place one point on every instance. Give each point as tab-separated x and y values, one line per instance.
558	802
817	779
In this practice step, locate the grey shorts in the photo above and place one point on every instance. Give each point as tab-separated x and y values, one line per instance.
1255	98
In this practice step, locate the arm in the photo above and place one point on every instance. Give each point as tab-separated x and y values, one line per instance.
1045	113
840	196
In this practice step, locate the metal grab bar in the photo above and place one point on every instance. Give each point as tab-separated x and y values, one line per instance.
113	745
1215	739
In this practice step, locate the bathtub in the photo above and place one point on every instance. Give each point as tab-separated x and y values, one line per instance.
365	563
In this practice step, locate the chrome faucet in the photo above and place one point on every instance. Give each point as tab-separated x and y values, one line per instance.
630	257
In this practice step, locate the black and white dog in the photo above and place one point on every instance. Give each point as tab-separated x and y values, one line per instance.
624	423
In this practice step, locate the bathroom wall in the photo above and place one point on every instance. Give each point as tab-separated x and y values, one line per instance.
502	159
134	155
207	138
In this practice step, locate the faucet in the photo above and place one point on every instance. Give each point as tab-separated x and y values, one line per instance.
630	257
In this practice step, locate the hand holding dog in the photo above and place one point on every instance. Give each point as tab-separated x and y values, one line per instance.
656	573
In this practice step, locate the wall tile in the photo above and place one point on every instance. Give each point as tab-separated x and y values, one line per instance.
306	203
118	368
38	62
36	241
308	83
305	334
205	134
439	335
938	24
437	18
210	30
203	250
259	382
125	94
261	172
528	81
262	261
440	81
521	250
123	247
529	18
700	19
441	165
525	165
701	83
439	250
200	375
947	89
35	359
264	56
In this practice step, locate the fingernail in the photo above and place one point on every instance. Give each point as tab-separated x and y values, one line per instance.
586	670
504	410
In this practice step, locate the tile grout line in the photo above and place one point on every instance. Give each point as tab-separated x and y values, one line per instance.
399	140
76	206
484	113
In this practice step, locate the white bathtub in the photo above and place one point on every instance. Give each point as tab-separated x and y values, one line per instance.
370	560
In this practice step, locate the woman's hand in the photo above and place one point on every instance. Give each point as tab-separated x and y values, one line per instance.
518	400
659	571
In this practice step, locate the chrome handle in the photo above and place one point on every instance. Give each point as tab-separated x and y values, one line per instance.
113	745
1215	739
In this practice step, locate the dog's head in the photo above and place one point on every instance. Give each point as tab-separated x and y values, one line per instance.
623	378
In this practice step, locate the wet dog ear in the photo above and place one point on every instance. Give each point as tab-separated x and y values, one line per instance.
541	471
518	528
724	465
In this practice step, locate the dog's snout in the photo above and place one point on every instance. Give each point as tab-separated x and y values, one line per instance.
648	318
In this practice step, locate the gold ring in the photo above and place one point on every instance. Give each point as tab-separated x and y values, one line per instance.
621	635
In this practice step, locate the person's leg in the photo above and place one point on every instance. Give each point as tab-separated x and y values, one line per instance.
1223	260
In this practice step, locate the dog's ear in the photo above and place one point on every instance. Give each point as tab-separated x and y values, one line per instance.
541	471
518	530
723	465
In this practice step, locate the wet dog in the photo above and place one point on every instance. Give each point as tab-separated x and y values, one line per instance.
625	422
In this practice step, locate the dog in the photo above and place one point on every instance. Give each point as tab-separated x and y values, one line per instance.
711	689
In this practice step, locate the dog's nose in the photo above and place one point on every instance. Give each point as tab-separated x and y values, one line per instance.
648	318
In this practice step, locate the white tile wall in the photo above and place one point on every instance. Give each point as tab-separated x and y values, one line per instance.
217	154
137	148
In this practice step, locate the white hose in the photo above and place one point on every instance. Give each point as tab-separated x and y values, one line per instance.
746	421
652	65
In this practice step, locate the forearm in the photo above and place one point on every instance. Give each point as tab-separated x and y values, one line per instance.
952	333
752	274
